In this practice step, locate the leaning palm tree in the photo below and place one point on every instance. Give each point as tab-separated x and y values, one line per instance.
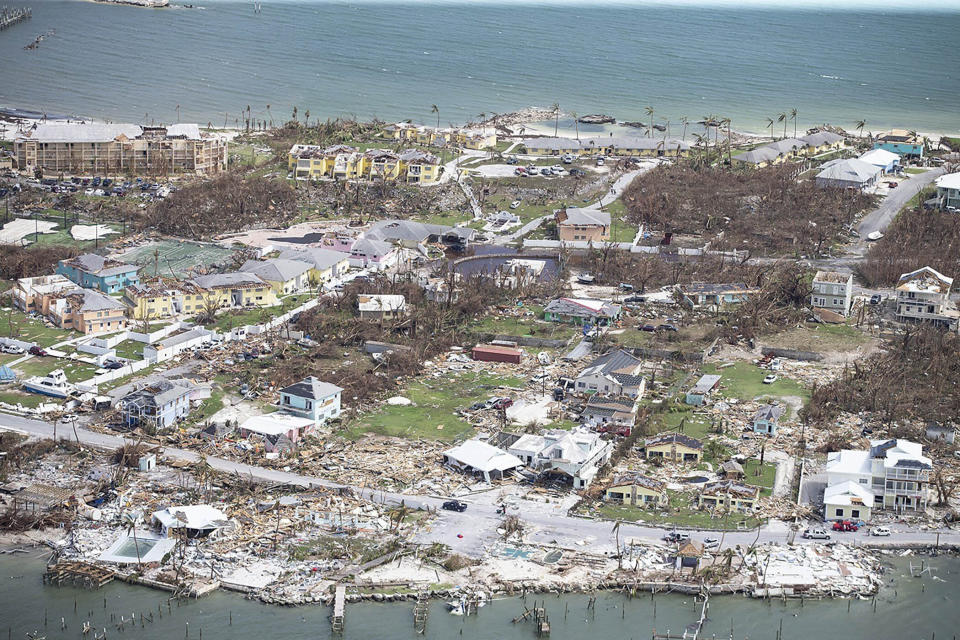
616	532
556	115
435	109
860	125
793	116
649	111
770	125
684	121
576	122
783	118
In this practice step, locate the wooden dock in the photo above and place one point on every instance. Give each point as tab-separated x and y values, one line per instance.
339	605
80	574
420	611
10	17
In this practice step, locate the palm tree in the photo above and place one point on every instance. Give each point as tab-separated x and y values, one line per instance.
666	133
306	117
793	116
616	532
270	115
576	122
783	118
556	114
860	125
684	121
130	521
649	111
435	109
726	121
770	124
295	114
700	143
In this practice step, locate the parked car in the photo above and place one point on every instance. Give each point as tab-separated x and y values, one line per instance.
600	162
567	158
648	327
514	204
845	525
776	364
666	327
711	543
770	378
546	171
37	351
876	299
676	536
880	532
892	184
455	505
113	364
512	160
577	172
815	534
519	171
11	348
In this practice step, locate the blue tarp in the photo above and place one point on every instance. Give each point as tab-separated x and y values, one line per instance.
6	374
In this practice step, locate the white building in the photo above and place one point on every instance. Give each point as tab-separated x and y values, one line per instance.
575	455
851	173
616	373
476	456
832	291
894	472
381	306
948	191
924	296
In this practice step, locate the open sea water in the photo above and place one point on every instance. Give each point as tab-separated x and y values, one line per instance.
394	60
906	609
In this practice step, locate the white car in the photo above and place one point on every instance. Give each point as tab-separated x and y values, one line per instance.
880	531
769	378
11	348
600	162
711	543
514	204
775	364
88	192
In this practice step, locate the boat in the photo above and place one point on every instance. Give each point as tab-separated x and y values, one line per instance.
53	384
874	236
585	278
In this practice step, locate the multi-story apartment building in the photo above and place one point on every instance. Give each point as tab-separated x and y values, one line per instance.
163	299
33	294
228	290
343	162
924	296
832	291
894	472
86	311
79	148
96	272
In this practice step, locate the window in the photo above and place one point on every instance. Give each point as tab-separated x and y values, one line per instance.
863	481
286	399
839	513
855	513
309	405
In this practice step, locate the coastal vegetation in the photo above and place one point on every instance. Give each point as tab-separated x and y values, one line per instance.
916	237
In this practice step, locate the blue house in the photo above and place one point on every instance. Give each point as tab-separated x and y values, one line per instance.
766	419
901	143
157	406
311	398
701	391
96	272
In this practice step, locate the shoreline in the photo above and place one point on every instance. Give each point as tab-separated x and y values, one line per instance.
145	4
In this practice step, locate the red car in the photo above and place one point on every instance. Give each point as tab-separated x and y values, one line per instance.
37	351
845	525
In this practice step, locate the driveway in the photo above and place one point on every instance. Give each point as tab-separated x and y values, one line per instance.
881	217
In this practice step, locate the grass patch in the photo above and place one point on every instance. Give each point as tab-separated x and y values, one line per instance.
32	400
744	381
620	229
435	402
17	325
821	337
768	474
449	218
231	319
682	511
530	325
41	366
130	350
527	211
915	170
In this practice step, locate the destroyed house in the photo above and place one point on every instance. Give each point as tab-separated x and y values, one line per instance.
37	498
767	419
637	490
702	294
96	272
162	299
33	294
615	410
729	495
157	406
312	398
673	446
478	457
195	521
573	456
582	311
280	431
616	372
923	296
701	391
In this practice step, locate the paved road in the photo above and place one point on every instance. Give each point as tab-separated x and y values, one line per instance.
881	217
547	522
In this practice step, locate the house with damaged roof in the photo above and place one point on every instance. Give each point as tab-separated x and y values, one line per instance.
637	490
729	495
582	311
285	276
96	272
157	406
673	446
325	264
616	372
236	289
86	311
923	295
604	410
304	406
573	456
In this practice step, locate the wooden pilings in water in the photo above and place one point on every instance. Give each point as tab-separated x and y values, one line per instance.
339	606
10	17
420	611
77	573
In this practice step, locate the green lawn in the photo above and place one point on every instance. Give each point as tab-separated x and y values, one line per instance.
449	218
524	325
681	512
231	319
31	329
434	403
820	337
915	170
620	230
41	366
768	474
12	395
744	380
130	350
527	211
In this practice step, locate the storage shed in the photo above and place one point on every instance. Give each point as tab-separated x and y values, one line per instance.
497	353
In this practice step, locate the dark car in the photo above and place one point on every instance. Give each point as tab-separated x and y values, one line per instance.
37	351
96	181
666	327
113	364
107	182
477	406
875	299
635	299
648	327
455	505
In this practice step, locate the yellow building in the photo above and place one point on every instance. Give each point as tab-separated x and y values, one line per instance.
342	162
384	165
313	161
675	447
637	490
162	299
285	276
729	495
419	167
226	290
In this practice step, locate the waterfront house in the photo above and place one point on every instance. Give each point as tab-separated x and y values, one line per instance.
232	290
87	148
701	391
832	291
697	295
553	146
326	264
284	276
674	447
419	167
923	295
96	272
34	294
582	311
157	406
847	500
637	146
572	456
895	472
822	141
767	419
86	311
587	225
381	306
478	457
195	521
616	372
637	490
886	161
849	173
903	143
729	495
312	398
948	191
